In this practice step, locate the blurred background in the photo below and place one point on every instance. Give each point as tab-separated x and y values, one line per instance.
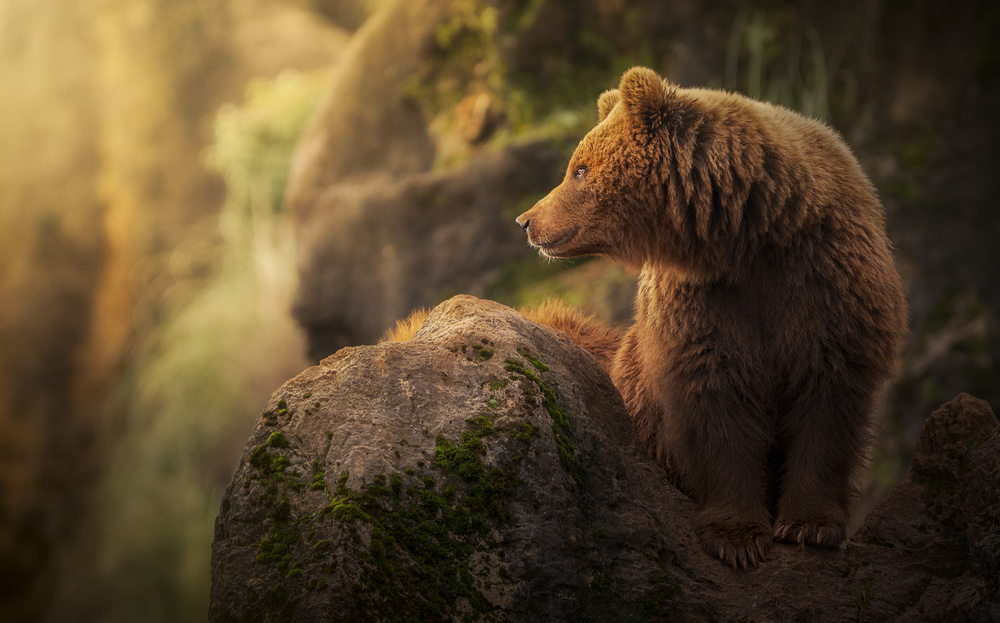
199	198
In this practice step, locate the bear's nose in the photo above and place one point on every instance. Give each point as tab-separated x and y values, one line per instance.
523	223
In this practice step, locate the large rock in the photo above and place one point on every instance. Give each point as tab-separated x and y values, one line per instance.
931	549
487	470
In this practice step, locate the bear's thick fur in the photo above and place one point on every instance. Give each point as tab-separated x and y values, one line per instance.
769	312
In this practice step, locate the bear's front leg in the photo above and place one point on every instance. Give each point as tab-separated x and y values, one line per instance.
825	431
719	442
694	413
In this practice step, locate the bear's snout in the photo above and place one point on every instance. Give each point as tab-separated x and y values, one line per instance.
549	231
523	221
526	218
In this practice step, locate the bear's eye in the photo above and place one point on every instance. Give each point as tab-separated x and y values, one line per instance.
580	170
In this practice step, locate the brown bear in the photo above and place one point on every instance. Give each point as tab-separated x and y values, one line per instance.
769	312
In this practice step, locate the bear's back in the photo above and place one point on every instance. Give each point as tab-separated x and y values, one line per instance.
831	175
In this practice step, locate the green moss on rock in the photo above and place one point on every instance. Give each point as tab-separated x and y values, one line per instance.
269	464
421	530
409	534
561	425
526	432
277	439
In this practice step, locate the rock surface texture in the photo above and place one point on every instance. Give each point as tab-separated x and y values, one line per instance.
487	470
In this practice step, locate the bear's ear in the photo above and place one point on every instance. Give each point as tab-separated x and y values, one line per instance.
648	98
606	102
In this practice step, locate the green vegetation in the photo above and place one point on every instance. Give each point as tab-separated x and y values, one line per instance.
561	426
866	591
534	361
519	277
254	141
662	589
777	58
420	532
596	286
481	353
476	64
526	432
270	464
471	61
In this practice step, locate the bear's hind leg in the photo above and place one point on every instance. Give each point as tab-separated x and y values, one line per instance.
825	432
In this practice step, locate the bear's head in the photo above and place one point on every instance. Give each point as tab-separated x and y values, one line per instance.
662	178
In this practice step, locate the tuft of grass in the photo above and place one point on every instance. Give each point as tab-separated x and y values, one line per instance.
866	591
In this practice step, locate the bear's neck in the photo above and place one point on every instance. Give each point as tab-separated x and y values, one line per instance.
738	287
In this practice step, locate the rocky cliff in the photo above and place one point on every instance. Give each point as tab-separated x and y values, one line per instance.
487	470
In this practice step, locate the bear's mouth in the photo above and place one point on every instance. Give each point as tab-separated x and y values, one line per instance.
549	247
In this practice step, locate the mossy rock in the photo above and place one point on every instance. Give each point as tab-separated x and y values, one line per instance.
461	475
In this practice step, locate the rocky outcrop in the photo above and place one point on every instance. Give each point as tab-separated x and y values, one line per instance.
931	549
487	470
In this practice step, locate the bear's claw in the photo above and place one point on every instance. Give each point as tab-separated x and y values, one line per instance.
822	533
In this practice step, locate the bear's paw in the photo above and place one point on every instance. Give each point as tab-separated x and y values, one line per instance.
740	547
